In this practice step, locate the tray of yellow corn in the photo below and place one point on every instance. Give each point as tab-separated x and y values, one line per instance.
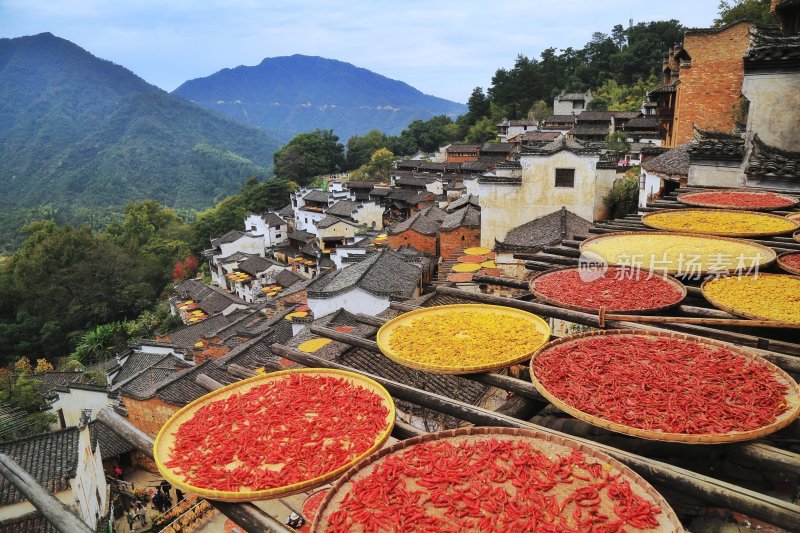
724	222
678	253
462	338
760	297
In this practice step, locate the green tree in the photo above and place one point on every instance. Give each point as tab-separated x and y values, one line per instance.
539	111
611	96
361	147
617	142
482	131
227	215
267	195
736	10
623	198
429	135
309	154
102	343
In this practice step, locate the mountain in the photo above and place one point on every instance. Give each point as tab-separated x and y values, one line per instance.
288	95
80	132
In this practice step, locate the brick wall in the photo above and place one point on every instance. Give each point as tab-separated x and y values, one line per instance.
711	87
452	241
211	351
423	243
148	415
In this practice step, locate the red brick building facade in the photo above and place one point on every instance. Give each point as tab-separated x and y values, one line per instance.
710	74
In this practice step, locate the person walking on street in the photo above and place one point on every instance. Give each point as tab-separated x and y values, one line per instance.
178	495
140	512
130	514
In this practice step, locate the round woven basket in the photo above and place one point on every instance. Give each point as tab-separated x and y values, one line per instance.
651	220
796	236
794	216
503	360
586	309
767	251
165	439
788	268
686	198
734	310
792	396
545	442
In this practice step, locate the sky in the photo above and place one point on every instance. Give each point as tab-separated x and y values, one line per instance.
441	47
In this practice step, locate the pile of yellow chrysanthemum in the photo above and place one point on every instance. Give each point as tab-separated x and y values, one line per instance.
464	338
716	222
766	296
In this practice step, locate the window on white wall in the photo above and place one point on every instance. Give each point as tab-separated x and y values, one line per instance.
565	177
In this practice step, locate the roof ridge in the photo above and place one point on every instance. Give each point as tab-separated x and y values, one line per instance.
49	434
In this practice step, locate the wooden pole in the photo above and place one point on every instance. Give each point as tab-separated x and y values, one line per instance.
55	511
731	322
716	492
248	516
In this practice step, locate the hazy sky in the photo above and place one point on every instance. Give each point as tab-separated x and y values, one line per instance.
441	47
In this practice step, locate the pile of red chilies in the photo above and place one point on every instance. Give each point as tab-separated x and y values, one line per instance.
791	260
662	384
490	485
283	432
741	199
617	289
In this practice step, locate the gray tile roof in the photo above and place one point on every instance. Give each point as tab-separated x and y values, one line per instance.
186	336
51	458
231	236
380	191
496	147
467	199
572	96
342	208
538	136
769	161
255	265
301	235
414	181
273	220
716	145
466	217
641	123
317	196
29	523
589	129
385	273
49	381
410	196
558	145
142	385
193	288
559	119
212	300
461	147
329	221
111	444
286	278
426	222
182	388
771	49
674	162
543	231
475	166
595	116
287	211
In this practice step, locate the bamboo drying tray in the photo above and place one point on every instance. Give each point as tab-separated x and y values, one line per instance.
792	397
687	198
546	443
787	268
794	216
767	253
503	359
797	236
165	439
654	220
738	311
586	309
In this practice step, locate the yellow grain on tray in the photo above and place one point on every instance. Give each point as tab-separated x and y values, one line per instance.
717	222
313	345
765	296
464	337
679	254
466	267
477	251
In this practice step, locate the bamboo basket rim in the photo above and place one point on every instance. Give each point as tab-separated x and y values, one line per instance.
384	334
735	311
795	200
787	268
668	515
647	221
766	249
792	397
793	216
165	435
586	309
796	236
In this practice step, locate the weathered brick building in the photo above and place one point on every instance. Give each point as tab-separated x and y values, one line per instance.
420	231
702	82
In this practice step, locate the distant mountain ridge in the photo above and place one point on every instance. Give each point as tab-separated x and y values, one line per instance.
290	94
81	136
77	131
